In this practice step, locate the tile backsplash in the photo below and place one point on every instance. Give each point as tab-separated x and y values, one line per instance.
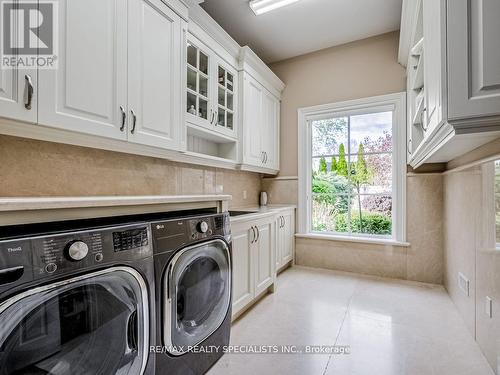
36	168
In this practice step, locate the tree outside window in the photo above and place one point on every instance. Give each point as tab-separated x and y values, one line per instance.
352	174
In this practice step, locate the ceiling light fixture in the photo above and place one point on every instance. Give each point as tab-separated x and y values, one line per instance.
263	6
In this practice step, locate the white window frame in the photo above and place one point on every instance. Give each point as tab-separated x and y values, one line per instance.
383	103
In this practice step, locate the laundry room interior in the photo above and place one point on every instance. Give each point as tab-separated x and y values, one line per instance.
219	187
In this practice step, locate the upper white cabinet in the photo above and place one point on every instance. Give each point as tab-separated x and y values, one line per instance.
450	48
88	91
154	80
252	108
211	89
119	78
260	107
271	130
153	77
473	48
210	93
18	99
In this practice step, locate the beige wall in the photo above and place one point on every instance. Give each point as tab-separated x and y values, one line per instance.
361	69
421	261
356	70
470	249
36	168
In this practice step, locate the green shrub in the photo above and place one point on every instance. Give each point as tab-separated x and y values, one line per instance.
332	189
372	224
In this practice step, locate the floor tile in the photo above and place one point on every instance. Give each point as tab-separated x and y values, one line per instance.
389	326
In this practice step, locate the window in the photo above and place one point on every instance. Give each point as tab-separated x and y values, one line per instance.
352	162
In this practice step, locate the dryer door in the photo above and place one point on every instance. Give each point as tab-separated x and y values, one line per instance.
92	324
197	297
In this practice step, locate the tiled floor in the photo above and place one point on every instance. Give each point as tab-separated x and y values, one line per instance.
391	327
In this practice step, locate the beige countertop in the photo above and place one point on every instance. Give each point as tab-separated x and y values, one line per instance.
40	209
259	212
51	203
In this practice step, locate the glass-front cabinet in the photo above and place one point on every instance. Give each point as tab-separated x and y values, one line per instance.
225	99
198	83
210	90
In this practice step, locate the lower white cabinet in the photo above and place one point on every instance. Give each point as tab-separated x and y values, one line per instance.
253	260
285	238
242	262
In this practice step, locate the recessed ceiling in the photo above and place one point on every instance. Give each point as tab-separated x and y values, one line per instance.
305	26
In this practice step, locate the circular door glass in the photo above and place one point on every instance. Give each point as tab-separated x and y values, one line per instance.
200	287
91	325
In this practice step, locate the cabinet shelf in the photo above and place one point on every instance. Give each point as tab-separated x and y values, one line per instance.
210	145
208	134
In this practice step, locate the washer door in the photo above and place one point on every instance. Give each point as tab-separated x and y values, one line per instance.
197	294
93	324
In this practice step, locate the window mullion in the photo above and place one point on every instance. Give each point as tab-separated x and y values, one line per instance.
349	227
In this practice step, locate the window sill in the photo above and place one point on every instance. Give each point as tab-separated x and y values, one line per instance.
333	237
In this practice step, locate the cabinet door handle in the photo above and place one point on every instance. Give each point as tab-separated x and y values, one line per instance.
409	146
134	121
422	119
215	117
211	116
262	157
258	234
124	118
253	236
265	157
29	91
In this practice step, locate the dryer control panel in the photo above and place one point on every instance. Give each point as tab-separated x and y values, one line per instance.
171	235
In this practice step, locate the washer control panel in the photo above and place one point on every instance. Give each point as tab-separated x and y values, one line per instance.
130	239
72	251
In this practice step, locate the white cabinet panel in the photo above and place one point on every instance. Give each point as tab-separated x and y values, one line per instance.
252	122
154	58
14	86
253	257
285	238
433	26
473	58
14	89
243	282
86	91
261	117
289	237
270	130
264	271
